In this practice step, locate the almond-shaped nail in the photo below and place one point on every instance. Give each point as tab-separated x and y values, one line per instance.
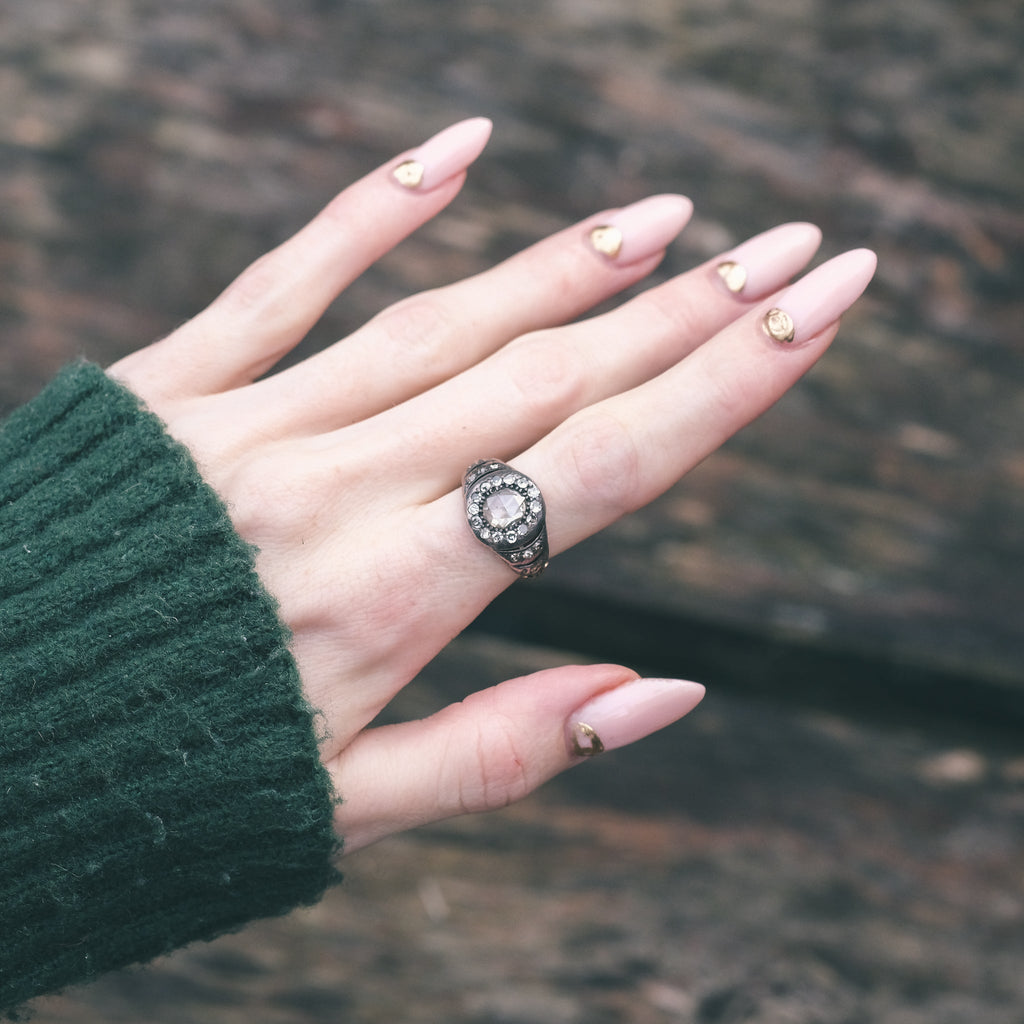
443	156
765	263
629	713
819	298
640	230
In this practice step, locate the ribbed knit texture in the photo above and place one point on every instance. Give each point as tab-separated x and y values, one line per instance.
159	775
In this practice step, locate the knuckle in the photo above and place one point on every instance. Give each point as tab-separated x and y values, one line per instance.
732	394
500	776
676	317
417	330
338	210
257	287
548	376
271	497
605	461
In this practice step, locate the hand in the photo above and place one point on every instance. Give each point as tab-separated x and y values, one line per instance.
345	470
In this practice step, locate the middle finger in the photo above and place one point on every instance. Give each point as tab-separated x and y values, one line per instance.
526	389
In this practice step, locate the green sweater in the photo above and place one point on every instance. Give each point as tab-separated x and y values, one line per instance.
159	774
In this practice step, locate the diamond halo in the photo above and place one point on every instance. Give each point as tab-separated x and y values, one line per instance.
506	512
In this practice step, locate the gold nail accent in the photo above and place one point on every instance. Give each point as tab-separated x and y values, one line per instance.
595	747
607	240
733	274
778	324
409	174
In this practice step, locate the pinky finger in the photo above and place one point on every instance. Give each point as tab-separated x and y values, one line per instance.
496	747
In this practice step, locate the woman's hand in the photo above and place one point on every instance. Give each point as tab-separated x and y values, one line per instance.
345	470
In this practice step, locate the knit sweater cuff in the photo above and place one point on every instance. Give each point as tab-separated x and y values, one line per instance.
159	774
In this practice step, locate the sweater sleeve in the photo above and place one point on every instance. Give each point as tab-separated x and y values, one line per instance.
159	774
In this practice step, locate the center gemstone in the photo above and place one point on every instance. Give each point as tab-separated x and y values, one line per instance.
503	508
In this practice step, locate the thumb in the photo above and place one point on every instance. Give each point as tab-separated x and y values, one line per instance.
496	746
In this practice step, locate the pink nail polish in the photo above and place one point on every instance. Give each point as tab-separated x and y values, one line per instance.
444	155
820	298
767	261
628	713
640	230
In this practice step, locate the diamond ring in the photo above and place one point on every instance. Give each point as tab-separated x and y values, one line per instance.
505	511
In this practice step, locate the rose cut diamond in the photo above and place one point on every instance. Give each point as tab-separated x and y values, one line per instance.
503	508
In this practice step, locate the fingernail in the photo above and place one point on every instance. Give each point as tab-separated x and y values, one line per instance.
628	713
640	230
444	155
767	261
820	298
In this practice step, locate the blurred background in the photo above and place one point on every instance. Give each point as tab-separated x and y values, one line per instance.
837	836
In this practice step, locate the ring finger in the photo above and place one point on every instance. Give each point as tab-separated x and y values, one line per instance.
619	454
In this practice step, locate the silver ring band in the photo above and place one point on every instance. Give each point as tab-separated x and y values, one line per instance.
505	510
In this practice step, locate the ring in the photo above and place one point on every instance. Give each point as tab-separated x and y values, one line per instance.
505	511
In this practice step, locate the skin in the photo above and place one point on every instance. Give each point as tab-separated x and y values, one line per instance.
345	471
